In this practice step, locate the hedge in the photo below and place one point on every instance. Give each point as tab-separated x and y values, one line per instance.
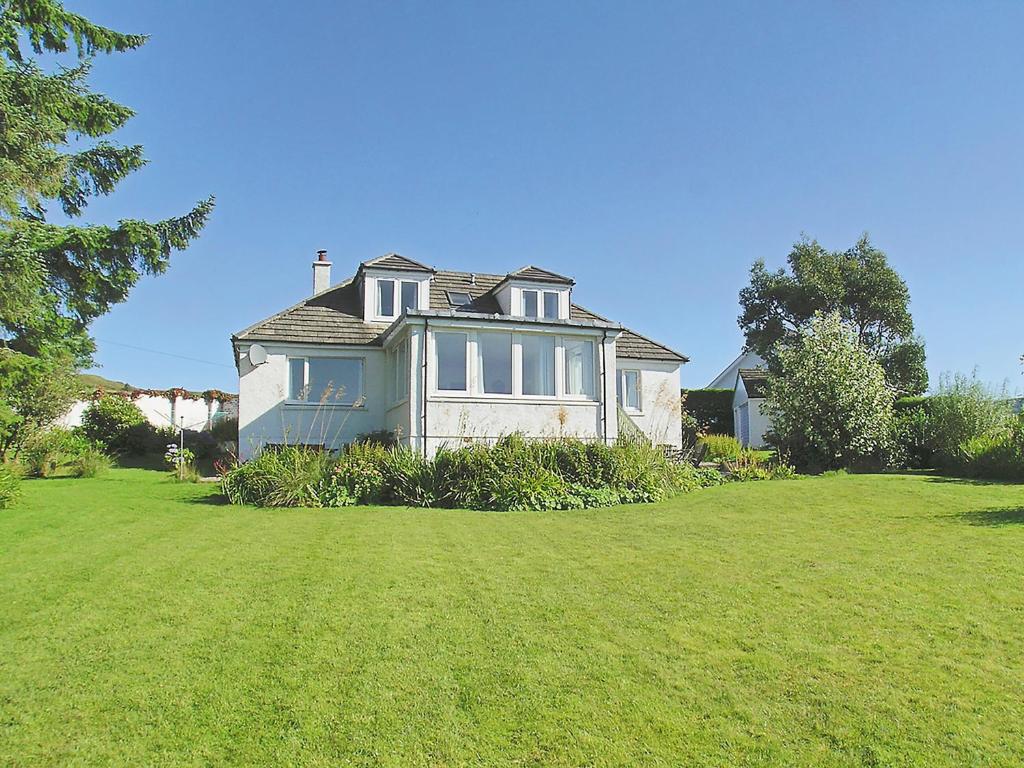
712	408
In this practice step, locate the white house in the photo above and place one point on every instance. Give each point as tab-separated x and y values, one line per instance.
747	377
447	358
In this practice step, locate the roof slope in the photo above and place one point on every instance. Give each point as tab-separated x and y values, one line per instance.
396	261
336	317
531	272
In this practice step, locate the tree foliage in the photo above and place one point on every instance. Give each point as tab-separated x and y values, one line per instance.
34	392
858	284
828	398
56	278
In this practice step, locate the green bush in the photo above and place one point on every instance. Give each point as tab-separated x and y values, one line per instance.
722	447
53	450
10	486
711	409
225	430
996	456
90	463
753	465
117	424
964	409
512	474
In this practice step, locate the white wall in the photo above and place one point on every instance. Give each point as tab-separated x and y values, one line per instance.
264	416
158	410
759	423
660	415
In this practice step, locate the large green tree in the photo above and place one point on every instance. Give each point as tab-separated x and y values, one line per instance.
56	277
859	285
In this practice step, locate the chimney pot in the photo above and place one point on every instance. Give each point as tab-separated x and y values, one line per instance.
321	255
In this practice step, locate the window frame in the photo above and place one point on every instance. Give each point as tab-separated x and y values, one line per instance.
399	376
596	396
358	402
435	359
621	391
453	303
540	298
397	284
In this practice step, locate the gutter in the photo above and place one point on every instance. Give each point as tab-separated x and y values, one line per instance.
423	396
604	390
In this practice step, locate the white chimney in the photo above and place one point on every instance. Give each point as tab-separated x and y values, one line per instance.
321	273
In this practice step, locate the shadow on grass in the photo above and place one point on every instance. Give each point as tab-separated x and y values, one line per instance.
931	478
212	500
997	516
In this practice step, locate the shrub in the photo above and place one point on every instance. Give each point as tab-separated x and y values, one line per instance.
829	401
51	450
90	463
10	486
963	410
711	409
290	476
911	444
996	455
117	424
225	430
752	465
722	447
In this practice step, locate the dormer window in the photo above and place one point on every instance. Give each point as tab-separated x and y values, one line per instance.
403	294
540	304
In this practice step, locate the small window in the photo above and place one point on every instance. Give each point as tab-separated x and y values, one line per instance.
579	367
629	390
326	379
459	298
495	353
385	298
550	305
529	304
538	365
450	353
410	295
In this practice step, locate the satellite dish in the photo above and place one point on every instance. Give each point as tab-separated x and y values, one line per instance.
257	354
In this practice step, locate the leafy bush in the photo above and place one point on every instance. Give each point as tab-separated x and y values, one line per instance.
752	465
10	486
722	447
117	424
512	474
996	455
225	430
90	463
963	410
829	401
911	444
711	409
51	450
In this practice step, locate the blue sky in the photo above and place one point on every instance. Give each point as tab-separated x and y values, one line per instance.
652	151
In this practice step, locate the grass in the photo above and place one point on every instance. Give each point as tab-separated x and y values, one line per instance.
849	620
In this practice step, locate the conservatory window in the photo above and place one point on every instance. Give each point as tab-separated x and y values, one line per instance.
538	365
451	361
495	356
579	367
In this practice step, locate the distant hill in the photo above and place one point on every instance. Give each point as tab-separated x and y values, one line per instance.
91	382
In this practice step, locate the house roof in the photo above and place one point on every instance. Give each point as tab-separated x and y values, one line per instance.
336	316
395	261
530	272
755	381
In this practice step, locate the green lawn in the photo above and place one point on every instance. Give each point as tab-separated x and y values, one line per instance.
859	620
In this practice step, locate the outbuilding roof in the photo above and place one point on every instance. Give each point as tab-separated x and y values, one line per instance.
335	316
755	381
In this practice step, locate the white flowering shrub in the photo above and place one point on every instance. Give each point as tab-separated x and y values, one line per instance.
828	398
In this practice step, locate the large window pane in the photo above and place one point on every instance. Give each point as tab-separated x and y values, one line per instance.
335	379
579	367
529	303
451	361
297	378
550	305
410	295
495	352
386	298
538	365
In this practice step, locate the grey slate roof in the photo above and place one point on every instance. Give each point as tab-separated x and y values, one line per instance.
531	272
336	316
755	381
396	261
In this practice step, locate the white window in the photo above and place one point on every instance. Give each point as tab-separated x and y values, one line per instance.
403	294
410	295
398	360
325	379
538	355
385	298
629	389
579	367
540	304
451	361
494	351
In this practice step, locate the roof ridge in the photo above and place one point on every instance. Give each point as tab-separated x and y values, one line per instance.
295	306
